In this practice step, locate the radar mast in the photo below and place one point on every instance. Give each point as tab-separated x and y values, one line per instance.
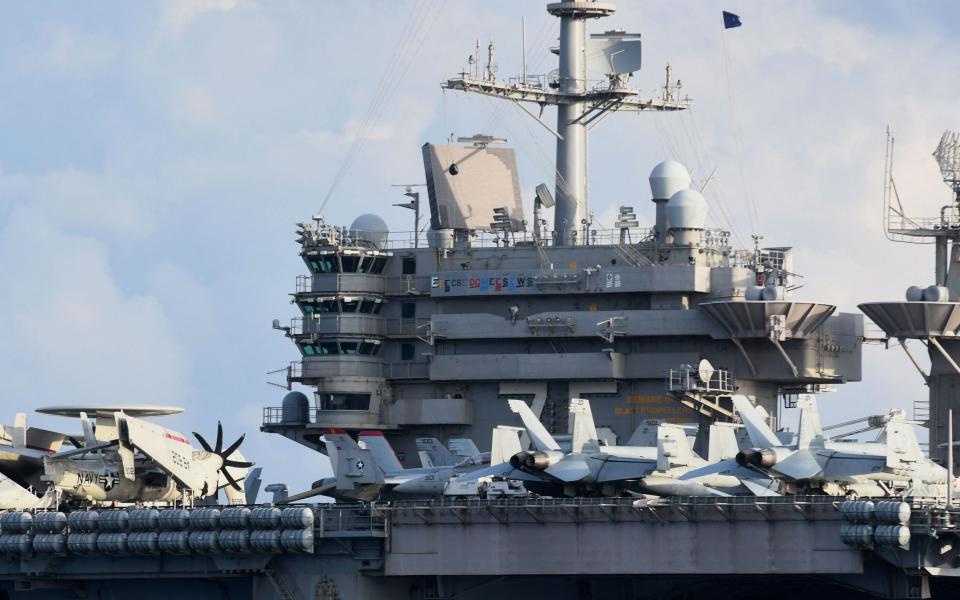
616	54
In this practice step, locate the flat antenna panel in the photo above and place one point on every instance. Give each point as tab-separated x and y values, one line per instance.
466	184
614	53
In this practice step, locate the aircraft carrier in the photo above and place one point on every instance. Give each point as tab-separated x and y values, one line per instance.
426	333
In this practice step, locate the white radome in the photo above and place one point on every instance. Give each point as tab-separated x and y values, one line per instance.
687	209
372	229
668	178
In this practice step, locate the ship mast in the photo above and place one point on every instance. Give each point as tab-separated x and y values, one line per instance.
577	105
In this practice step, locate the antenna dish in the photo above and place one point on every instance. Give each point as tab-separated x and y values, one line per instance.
705	370
947	156
544	196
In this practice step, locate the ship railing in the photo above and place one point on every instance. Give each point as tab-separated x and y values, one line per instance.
531	502
296	326
304	284
272	415
688	379
714	238
949	219
363	520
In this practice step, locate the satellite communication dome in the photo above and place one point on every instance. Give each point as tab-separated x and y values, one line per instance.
371	229
687	209
296	408
668	178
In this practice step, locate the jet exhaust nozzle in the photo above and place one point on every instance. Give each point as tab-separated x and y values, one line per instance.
755	457
537	461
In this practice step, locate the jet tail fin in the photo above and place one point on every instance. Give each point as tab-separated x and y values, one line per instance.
645	434
251	485
903	449
89	435
673	448
463	448
20	430
505	444
434	454
810	432
353	466
723	442
541	438
382	451
761	436
584	431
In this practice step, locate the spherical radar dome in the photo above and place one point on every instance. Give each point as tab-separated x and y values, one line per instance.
371	229
687	209
668	178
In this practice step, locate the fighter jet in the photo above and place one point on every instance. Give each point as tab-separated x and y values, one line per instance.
892	465
434	454
370	469
124	458
680	472
588	468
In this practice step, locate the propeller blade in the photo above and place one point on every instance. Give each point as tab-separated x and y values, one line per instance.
219	445
237	463
203	442
233	482
233	447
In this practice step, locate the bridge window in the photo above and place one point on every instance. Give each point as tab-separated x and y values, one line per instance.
344	401
342	347
379	263
369	348
324	264
409	265
350	263
328	348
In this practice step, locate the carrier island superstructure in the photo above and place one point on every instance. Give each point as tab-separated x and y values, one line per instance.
424	335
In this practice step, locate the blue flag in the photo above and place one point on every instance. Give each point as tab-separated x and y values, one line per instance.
731	20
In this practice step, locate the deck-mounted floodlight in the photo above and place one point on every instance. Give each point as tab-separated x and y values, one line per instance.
543	199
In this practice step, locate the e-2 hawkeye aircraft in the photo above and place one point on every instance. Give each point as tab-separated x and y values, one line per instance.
123	458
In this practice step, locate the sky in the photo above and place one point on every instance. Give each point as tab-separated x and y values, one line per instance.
155	156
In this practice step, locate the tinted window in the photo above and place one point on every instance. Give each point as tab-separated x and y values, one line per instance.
406	351
350	263
408	310
409	265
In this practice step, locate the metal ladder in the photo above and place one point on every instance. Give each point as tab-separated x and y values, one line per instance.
632	255
280	585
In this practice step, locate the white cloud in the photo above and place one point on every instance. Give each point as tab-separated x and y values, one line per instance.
177	15
72	335
80	200
74	53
